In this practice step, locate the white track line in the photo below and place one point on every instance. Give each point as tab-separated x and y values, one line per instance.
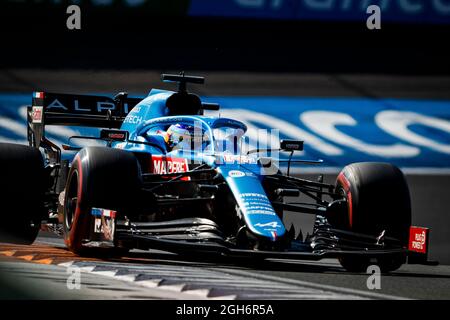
244	284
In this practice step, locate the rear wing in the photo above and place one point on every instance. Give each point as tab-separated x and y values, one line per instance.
75	110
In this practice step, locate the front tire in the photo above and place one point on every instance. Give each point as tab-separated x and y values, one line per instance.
378	199
98	178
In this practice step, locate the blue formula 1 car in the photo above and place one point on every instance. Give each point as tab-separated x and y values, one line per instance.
168	177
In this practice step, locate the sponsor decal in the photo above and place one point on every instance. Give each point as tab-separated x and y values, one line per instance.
101	106
273	224
36	114
98	225
165	165
119	135
133	119
256	203
104	222
236	174
58	105
38	95
270	227
116	136
418	239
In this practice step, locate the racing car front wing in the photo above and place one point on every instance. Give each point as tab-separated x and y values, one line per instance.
194	236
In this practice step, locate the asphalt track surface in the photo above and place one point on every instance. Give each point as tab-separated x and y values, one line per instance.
42	271
165	275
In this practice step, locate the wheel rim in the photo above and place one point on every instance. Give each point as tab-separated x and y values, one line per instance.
71	200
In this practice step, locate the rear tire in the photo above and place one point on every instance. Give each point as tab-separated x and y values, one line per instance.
378	199
98	178
22	188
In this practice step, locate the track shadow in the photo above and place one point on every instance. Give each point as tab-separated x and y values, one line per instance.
241	263
220	261
252	264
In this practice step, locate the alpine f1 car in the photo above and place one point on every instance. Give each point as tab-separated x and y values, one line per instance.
168	177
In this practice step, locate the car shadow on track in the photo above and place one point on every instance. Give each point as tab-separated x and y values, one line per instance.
217	261
212	261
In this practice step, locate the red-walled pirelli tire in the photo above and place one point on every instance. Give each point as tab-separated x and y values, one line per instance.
377	199
22	188
99	177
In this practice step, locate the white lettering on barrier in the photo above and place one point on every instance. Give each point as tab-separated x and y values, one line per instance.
396	123
287	128
324	123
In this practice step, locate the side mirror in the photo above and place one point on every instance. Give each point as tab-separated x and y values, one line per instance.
210	106
113	135
68	147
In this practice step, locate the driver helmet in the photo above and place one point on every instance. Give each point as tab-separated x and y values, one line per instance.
179	136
